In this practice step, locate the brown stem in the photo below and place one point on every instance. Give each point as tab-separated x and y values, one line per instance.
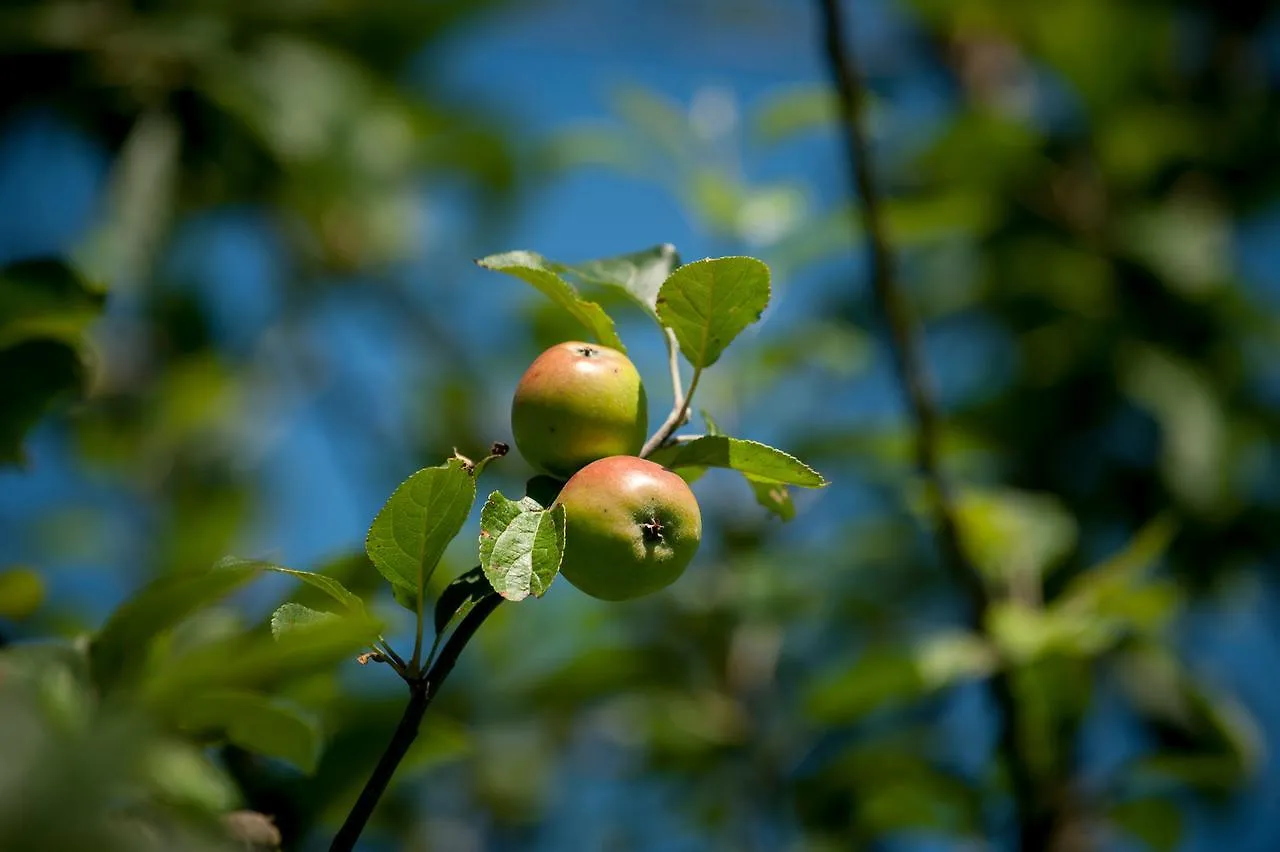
1034	823
421	693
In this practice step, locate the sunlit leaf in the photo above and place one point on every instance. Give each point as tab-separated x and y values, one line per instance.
762	463
294	616
21	592
424	514
520	546
534	269
709	302
640	273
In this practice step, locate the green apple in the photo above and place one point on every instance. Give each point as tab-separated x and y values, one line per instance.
631	528
576	403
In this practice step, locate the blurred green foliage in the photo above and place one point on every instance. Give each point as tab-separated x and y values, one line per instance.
1079	195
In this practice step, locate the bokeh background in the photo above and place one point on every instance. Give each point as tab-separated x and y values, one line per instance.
282	202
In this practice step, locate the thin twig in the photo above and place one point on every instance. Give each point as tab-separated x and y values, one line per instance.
678	417
673	358
1035	826
422	690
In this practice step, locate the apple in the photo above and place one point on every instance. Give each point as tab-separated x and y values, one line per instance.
576	403
631	528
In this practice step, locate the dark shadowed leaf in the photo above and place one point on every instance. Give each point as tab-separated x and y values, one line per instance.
459	597
1156	822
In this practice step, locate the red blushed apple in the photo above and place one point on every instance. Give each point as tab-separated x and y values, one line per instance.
576	403
631	528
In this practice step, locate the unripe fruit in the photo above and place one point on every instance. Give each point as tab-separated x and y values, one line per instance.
576	403
631	528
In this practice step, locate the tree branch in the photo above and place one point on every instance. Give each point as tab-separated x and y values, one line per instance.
678	417
1034	823
421	693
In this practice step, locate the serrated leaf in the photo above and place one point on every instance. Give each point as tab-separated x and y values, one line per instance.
459	597
254	723
119	648
762	463
774	497
640	273
708	303
535	269
498	512
424	514
295	616
525	558
1156	822
329	585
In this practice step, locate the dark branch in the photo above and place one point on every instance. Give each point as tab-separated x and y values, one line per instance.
1035	826
421	693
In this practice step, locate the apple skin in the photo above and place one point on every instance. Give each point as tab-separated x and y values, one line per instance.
576	403
631	528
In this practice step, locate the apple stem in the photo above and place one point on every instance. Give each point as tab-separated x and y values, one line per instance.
678	417
673	357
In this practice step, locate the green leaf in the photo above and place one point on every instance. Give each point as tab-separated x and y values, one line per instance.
1125	568
21	592
182	775
45	299
407	598
459	597
520	546
294	616
255	723
541	273
708	303
774	497
640	273
797	111
762	463
1012	534
411	532
713	428
885	676
329	585
118	650
1156	822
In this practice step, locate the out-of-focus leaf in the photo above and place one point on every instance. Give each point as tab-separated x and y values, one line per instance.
520	546
760	462
796	111
886	677
329	585
535	269
424	514
120	646
1193	427
181	775
293	616
254	662
1156	822
21	592
255	723
1013	535
459	597
709	302
1126	568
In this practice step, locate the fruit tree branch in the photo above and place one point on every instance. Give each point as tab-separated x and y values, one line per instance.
421	693
678	417
1034	824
